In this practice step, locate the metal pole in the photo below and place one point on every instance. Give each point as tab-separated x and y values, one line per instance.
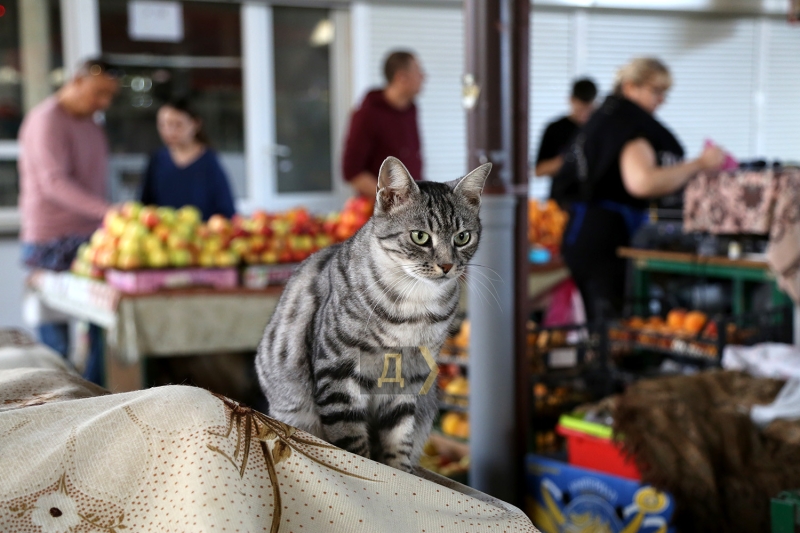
497	311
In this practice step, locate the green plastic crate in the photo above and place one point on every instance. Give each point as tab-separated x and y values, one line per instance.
785	512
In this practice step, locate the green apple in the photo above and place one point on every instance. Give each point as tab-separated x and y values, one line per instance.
269	257
180	257
240	245
213	244
167	215
189	214
157	258
131	244
226	258
206	259
129	261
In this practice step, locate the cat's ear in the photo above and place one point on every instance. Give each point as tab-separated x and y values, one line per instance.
471	185
395	185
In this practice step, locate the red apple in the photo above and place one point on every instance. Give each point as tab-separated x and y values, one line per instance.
148	216
252	258
177	242
219	225
162	231
131	210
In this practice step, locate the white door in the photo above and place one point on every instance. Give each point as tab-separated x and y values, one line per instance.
296	106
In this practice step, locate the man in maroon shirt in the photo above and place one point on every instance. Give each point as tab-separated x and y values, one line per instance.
386	125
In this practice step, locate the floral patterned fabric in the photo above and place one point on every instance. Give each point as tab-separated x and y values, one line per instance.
730	202
783	253
181	459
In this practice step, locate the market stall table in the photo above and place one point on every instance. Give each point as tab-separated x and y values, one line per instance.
739	271
167	323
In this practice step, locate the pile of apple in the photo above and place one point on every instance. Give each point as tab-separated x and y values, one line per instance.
135	237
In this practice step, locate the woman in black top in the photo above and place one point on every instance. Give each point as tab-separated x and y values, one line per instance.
620	159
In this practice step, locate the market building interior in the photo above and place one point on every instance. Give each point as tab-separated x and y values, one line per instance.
622	352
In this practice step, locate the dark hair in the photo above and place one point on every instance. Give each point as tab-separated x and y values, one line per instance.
96	66
584	90
395	62
184	106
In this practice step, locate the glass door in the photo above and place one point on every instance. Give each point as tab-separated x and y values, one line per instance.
296	105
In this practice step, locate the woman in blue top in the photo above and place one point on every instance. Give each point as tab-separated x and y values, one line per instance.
186	171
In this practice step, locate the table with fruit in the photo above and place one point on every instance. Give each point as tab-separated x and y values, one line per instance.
163	283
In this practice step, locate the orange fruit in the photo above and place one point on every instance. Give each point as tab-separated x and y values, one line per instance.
694	321
676	319
636	322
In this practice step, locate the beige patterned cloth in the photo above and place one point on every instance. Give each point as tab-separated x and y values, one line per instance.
181	459
783	253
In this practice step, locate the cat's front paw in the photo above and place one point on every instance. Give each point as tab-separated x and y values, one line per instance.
399	462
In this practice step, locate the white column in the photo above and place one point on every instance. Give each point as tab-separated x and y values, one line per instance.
491	352
35	36
580	47
360	24
259	98
80	26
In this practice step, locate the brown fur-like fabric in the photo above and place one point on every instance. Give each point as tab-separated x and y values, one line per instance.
692	436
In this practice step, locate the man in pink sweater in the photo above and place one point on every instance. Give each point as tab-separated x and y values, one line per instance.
63	171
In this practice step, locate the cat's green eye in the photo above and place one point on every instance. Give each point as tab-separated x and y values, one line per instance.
420	237
461	238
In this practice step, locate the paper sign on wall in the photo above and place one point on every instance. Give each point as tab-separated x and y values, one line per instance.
151	20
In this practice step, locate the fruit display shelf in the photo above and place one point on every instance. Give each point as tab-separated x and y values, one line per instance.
695	338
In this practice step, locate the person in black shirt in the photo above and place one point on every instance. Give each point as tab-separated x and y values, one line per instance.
621	158
558	134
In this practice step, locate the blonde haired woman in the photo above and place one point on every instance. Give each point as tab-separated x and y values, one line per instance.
622	158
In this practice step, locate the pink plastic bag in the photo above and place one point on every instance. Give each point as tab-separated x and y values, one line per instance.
566	305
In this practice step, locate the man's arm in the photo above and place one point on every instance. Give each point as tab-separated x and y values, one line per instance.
47	147
359	146
548	160
549	167
365	183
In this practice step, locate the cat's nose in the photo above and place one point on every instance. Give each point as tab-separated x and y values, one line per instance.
446	267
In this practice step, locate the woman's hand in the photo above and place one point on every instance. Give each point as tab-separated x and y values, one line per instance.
712	158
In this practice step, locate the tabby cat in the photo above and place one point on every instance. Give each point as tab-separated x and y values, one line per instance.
395	283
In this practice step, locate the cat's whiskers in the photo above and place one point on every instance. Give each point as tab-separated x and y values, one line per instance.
465	284
498	278
492	291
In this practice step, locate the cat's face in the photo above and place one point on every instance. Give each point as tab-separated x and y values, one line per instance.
429	230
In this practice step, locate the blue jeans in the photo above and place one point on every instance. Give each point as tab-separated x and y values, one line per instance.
56	336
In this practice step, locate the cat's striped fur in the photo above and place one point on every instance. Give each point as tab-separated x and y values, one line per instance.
323	350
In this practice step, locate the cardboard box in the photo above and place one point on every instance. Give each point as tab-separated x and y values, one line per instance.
567	499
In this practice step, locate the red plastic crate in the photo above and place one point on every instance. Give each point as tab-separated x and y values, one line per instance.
597	453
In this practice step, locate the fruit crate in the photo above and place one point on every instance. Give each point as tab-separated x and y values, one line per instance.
703	344
144	281
262	276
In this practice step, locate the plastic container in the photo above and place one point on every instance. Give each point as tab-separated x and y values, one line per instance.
591	445
143	281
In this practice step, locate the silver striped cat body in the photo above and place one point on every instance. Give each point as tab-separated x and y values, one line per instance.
393	287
